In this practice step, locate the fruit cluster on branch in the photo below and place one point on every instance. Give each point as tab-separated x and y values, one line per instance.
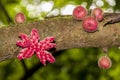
90	22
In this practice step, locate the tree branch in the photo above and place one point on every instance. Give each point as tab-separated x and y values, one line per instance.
67	31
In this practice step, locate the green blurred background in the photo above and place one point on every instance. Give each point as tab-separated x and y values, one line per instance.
73	64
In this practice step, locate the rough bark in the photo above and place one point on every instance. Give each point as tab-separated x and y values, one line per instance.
68	34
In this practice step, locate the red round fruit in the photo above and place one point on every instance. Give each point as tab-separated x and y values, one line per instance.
104	62
90	24
98	13
20	18
79	13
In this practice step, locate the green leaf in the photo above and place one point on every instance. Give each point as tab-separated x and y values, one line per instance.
60	3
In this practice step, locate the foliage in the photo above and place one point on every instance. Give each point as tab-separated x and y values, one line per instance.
74	64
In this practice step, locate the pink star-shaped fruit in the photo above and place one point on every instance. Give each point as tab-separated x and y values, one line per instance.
32	44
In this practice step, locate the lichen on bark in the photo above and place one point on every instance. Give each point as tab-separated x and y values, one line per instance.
68	34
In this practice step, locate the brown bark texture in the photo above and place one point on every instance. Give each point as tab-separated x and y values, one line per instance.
68	34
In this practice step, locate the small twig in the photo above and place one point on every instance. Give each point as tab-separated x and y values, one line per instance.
24	65
31	71
5	12
115	18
